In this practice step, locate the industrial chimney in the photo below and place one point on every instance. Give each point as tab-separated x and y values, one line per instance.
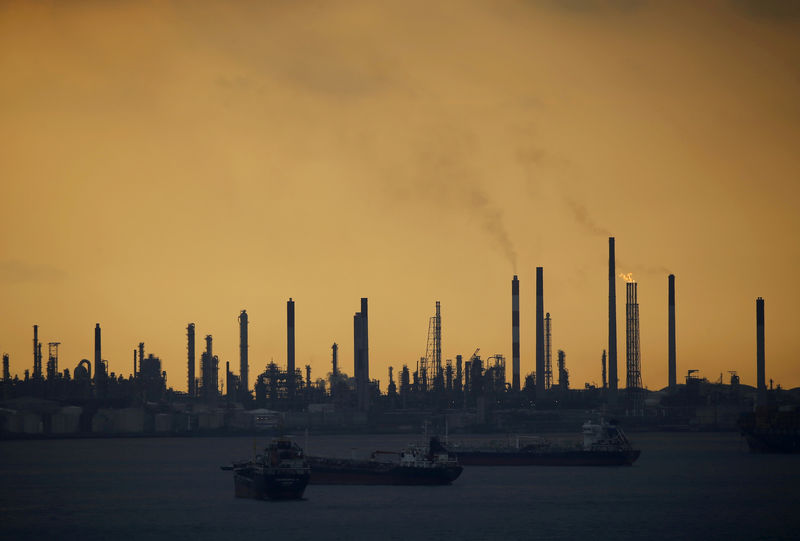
671	366
191	387
540	377
243	364
515	385
98	361
361	355
761	383
612	323
290	349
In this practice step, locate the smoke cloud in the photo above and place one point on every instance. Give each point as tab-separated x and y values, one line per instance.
491	219
583	218
16	272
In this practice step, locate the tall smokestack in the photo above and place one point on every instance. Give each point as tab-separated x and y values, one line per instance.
191	381
540	377
612	323
134	362
209	372
761	383
515	333
361	354
290	347
98	361
6	371
37	360
243	364
335	359
671	366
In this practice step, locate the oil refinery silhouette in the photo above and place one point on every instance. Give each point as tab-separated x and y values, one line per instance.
467	392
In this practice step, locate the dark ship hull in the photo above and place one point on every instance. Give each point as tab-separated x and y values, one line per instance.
326	471
547	458
771	431
773	443
252	483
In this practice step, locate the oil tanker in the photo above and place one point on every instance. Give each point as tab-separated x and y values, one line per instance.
772	431
604	444
414	465
280	473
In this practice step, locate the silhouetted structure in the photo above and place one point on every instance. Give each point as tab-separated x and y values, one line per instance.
430	366
633	380
438	376
515	334
52	360
458	384
290	349
99	369
633	355
548	352
151	381
612	323
37	354
191	383
141	353
361	355
474	393
672	368
84	371
563	373
495	375
391	389
209	373
603	361
243	361
761	383
540	388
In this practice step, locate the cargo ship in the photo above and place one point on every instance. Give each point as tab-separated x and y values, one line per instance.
604	444
414	465
280	473
772	431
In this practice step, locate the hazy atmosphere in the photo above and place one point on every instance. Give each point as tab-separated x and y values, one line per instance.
171	162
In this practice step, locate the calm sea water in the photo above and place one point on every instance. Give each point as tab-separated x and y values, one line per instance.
704	486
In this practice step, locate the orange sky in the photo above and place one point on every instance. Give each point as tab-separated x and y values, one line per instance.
168	162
